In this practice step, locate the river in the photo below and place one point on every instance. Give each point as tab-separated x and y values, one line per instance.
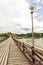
37	41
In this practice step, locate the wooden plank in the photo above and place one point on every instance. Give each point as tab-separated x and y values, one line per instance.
16	57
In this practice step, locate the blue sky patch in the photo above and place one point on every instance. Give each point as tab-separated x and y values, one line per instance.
38	5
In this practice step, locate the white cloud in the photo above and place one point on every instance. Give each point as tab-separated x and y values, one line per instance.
42	1
37	1
35	14
38	7
15	14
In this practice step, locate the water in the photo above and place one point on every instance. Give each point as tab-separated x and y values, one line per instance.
37	42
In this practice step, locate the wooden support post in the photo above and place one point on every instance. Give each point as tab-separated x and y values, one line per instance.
23	47
33	58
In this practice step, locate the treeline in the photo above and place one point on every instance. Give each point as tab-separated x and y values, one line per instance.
4	35
28	35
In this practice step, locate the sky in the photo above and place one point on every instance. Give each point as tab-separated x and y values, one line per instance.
15	16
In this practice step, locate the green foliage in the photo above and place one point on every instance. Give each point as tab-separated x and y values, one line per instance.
3	35
28	35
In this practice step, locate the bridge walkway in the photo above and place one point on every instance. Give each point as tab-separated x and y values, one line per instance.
16	57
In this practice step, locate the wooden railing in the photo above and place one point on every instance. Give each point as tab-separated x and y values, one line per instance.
34	55
3	39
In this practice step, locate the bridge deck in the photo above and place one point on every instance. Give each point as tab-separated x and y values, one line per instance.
10	54
16	57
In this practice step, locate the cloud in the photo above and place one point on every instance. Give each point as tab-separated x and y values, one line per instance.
42	1
37	27
15	14
37	1
26	29
38	7
35	14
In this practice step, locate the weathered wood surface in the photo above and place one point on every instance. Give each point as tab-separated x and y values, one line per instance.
4	51
16	57
10	54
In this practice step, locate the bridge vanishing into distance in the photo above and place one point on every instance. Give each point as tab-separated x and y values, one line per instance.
14	52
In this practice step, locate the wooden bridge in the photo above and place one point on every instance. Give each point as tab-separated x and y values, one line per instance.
14	52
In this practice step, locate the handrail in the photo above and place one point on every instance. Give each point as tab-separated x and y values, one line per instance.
27	50
1	45
3	39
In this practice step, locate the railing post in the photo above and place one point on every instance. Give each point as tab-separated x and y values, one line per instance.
23	47
33	58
